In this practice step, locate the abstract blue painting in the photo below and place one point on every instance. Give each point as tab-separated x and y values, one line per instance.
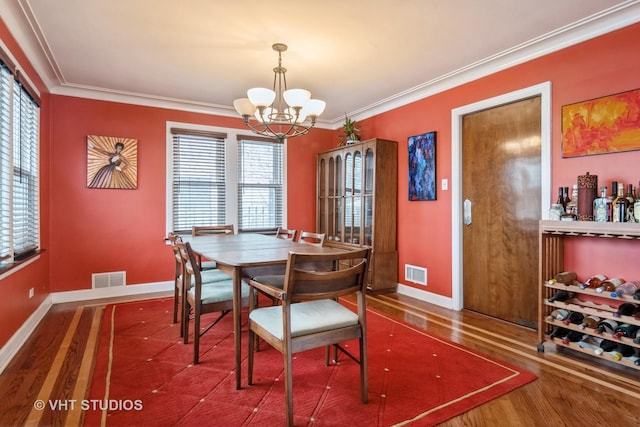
422	166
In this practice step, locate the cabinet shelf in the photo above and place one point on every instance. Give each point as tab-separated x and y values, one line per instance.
587	301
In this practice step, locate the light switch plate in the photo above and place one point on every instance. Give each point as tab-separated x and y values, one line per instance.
445	184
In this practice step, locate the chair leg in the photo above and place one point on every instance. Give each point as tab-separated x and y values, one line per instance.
196	334
364	380
185	320
288	387
251	338
175	304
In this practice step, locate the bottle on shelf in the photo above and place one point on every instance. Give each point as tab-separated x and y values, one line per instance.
561	296
636	295
602	207
625	350
602	347
636	205
559	314
609	285
573	336
566	277
627	288
574	317
636	339
620	205
630	197
560	200
607	325
589	321
558	332
572	203
593	282
627	309
625	330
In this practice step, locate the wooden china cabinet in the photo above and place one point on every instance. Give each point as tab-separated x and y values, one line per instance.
357	204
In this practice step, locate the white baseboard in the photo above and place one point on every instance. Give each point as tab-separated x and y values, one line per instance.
117	291
11	348
15	343
429	297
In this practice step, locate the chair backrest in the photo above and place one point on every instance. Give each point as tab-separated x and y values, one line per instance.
285	233
189	264
174	239
348	276
310	238
198	230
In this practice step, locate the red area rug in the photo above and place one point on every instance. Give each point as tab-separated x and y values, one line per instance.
144	376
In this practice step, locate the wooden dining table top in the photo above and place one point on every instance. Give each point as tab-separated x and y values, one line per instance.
250	249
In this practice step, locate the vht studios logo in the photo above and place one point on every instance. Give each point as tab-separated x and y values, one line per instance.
88	405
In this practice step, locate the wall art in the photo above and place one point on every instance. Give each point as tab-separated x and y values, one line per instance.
604	125
422	166
112	162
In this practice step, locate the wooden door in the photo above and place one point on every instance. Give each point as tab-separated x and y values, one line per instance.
501	182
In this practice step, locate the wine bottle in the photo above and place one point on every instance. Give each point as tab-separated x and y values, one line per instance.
625	350
561	296
625	330
557	332
609	285
574	317
596	349
636	295
589	321
593	282
620	205
636	339
602	207
626	309
631	199
560	200
559	314
636	205
572	336
572	203
627	288
566	277
607	325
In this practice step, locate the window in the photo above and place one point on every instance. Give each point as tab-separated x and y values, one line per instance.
218	176
19	169
260	184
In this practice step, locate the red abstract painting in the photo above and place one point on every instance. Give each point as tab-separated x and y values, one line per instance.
604	125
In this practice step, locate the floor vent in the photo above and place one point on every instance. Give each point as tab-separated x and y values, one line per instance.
417	275
108	280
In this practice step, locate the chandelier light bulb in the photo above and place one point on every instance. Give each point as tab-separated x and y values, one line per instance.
261	97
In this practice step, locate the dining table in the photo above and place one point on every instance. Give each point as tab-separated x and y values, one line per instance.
246	255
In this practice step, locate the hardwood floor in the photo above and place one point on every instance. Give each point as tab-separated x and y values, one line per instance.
571	390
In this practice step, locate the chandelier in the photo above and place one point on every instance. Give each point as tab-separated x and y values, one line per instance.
279	113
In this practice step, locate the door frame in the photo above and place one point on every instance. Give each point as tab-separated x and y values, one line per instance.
543	90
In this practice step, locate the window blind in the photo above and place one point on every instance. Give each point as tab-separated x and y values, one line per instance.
19	169
260	183
198	184
5	162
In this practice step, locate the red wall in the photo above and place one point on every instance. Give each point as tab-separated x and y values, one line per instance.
87	231
97	231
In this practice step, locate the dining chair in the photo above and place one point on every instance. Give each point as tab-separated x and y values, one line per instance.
311	238
206	230
215	297
285	233
209	276
310	315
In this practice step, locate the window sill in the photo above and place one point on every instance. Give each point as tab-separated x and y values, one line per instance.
7	269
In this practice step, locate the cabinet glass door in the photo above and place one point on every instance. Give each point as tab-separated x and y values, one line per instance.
367	235
348	197
322	196
337	211
357	198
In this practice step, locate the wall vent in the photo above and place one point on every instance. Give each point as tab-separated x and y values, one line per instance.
108	280
417	275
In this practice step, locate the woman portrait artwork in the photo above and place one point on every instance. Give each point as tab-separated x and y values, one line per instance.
112	162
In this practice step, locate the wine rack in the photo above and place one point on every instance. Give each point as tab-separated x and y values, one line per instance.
552	234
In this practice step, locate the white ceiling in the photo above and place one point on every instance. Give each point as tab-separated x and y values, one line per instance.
360	56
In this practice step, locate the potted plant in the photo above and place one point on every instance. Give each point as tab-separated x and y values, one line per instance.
350	131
